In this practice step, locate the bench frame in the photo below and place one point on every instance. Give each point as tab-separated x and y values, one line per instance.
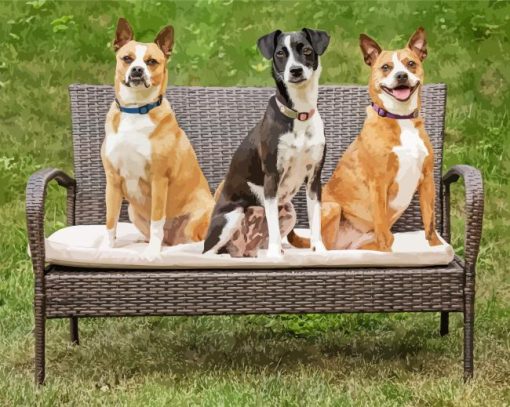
73	292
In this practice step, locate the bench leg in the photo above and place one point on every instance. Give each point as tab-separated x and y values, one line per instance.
443	329
73	324
468	347
469	322
40	337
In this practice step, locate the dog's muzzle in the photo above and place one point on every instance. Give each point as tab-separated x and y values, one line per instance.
296	74
137	77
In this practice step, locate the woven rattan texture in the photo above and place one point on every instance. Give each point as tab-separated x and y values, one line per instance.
139	292
217	119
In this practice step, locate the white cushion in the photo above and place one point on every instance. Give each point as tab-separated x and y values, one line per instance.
80	246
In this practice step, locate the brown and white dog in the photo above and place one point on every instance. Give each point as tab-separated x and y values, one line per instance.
376	178
147	157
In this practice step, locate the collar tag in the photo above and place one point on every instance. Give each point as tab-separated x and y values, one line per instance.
303	116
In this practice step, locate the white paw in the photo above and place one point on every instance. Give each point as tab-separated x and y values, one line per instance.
210	253
318	247
274	252
108	242
151	253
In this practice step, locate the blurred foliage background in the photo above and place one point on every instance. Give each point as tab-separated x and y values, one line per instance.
47	45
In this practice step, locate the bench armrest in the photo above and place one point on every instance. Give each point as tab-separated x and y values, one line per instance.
35	199
473	201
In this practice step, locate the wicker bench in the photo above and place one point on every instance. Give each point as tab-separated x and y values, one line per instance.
216	120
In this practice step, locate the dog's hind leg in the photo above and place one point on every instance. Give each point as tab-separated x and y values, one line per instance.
242	233
222	227
218	191
427	197
174	230
196	229
142	224
253	234
186	228
330	223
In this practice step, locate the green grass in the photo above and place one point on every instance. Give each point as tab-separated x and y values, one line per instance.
310	360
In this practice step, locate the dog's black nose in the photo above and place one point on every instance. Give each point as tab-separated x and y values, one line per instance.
401	76
296	71
136	72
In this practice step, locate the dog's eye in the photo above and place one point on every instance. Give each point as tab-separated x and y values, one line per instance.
127	59
280	54
411	64
152	61
307	51
385	68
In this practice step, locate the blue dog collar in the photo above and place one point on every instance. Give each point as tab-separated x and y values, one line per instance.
141	109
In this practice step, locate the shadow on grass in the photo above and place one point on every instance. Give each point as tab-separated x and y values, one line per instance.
177	347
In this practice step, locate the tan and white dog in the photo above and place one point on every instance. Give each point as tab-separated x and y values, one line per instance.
147	157
376	178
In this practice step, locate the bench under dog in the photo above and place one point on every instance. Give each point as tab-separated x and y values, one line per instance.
67	288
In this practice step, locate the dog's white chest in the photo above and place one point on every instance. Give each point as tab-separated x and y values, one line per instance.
411	153
299	152
129	150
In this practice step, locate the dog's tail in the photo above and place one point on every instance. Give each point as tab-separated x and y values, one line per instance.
218	191
298	241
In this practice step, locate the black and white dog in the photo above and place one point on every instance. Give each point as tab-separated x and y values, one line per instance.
284	150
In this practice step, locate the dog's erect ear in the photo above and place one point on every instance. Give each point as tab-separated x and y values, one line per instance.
123	34
418	43
370	49
267	44
318	39
165	40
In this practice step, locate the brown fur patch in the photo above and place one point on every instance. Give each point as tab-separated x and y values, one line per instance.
252	234
174	230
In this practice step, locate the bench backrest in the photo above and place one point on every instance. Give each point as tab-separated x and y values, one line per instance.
217	119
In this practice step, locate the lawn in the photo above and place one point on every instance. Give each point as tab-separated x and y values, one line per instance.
395	359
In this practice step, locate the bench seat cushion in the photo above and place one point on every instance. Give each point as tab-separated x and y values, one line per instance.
79	246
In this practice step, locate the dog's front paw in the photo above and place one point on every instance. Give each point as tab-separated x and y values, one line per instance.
385	241
152	252
318	247
274	252
108	241
433	239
